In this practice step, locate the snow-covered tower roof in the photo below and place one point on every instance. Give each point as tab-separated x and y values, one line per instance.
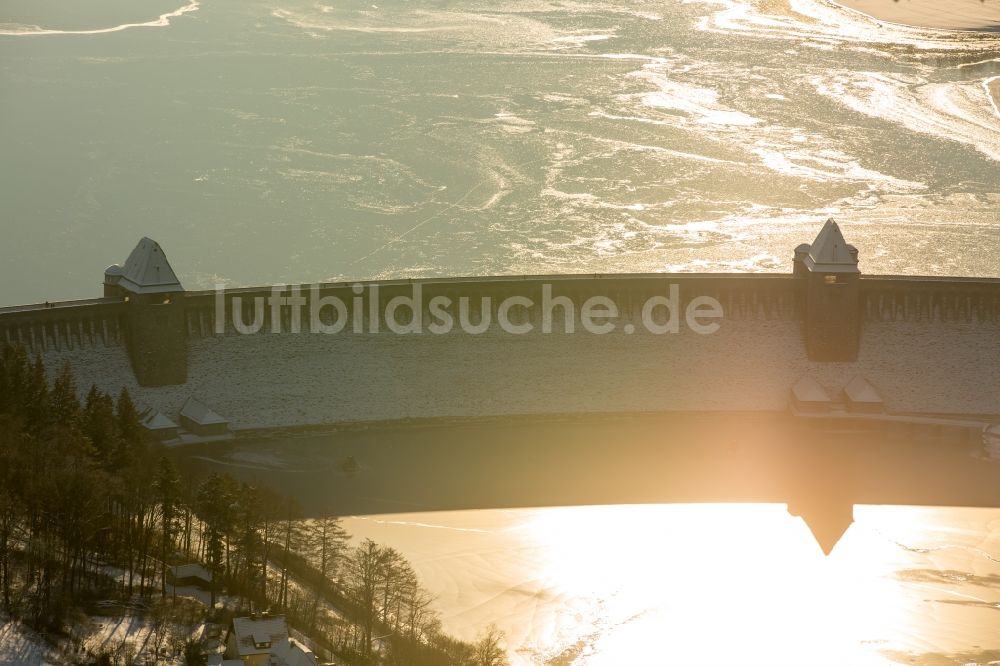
146	271
830	253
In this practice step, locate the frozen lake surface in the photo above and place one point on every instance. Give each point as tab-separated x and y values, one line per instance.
275	141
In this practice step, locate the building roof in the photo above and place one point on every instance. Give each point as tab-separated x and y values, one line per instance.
292	653
146	271
830	253
858	390
219	660
808	389
250	632
193	570
154	420
200	413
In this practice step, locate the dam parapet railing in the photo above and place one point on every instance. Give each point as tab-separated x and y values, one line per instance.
914	298
744	296
97	322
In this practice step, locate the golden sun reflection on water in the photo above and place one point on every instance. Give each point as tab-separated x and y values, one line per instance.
711	584
716	583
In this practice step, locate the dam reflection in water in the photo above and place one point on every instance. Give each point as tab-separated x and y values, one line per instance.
710	584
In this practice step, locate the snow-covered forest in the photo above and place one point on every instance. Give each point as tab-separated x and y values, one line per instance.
94	515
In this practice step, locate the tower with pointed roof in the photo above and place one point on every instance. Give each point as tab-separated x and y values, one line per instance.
155	322
831	293
146	271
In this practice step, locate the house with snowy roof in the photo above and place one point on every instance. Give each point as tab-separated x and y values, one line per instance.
198	418
809	396
160	426
264	641
861	396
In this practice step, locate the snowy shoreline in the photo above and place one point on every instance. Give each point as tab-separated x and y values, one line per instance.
959	15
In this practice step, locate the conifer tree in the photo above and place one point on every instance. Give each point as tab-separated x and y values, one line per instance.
65	407
131	439
167	488
100	425
13	379
37	398
129	422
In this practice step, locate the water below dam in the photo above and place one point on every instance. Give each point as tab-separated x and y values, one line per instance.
579	536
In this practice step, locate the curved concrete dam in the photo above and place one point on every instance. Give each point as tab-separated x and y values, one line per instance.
299	356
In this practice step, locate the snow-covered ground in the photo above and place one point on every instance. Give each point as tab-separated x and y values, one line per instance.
20	645
109	634
136	637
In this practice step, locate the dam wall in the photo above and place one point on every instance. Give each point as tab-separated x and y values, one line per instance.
930	346
104	322
929	299
744	297
68	325
295	355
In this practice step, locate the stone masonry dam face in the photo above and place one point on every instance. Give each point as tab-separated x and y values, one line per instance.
929	345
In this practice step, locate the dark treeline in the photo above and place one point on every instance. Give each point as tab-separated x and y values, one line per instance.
91	509
77	496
